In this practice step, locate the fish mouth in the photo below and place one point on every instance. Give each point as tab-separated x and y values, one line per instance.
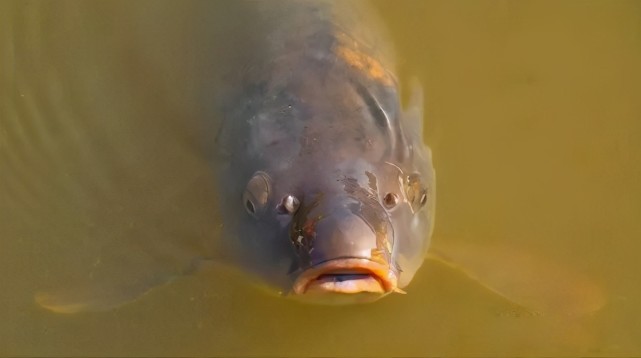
347	276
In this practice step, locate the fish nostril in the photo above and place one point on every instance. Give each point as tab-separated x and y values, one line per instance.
289	205
390	200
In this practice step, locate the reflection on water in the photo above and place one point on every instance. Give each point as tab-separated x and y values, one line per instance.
532	114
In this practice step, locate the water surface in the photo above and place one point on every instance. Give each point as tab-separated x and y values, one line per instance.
533	113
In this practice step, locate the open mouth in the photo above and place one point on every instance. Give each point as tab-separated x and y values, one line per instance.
350	275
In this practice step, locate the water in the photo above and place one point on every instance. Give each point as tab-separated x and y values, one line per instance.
533	115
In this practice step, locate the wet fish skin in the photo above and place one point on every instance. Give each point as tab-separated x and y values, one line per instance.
315	113
310	109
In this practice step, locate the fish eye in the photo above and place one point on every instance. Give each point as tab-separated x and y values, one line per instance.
390	200
415	192
256	193
289	205
423	199
251	208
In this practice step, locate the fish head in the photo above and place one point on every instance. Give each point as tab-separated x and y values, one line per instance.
330	194
350	233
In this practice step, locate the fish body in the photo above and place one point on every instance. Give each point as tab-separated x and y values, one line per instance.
329	188
280	122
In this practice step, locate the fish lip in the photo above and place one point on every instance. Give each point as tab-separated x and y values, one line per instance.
383	274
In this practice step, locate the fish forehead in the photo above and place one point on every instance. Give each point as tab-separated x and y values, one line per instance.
321	102
322	117
324	88
310	176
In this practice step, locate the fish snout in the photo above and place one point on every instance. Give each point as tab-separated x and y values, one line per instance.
345	248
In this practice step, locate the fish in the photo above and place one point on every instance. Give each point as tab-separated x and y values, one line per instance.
332	187
326	191
324	187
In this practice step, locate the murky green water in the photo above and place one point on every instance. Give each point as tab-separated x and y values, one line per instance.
533	115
